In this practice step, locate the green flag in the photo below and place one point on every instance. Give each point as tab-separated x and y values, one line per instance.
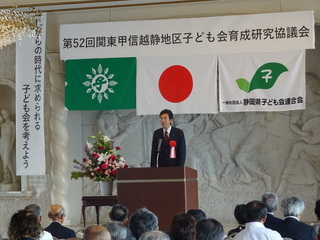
100	84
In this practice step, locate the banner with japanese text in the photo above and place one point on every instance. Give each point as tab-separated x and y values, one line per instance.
100	84
272	81
226	34
183	84
30	69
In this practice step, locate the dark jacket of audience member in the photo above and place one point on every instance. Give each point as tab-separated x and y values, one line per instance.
182	227
209	229
291	227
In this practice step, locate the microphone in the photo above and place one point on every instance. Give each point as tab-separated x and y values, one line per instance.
159	144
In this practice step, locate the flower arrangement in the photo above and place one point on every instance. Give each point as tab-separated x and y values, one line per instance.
102	161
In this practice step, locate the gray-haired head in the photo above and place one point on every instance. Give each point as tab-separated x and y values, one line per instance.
270	199
117	230
292	206
35	209
154	235
141	221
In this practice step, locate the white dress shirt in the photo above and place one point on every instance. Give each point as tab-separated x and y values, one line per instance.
257	231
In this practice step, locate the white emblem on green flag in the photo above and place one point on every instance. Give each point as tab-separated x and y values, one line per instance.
101	84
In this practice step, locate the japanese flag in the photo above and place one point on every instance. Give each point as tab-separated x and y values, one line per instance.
183	84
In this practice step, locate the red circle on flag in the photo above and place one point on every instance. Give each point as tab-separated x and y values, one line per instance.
175	84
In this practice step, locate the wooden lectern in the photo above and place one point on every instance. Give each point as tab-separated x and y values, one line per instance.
165	191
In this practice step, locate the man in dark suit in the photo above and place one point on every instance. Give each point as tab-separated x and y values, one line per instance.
270	199
291	227
56	214
160	152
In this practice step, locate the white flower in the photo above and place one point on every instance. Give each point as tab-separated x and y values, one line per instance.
102	157
89	145
106	139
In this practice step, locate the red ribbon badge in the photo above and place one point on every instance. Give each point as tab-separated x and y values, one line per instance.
173	149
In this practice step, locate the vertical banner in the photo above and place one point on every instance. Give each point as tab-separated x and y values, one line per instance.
30	144
273	81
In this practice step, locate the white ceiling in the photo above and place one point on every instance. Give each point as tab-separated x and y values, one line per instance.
232	5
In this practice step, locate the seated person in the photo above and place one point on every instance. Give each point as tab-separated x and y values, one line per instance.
209	229
119	213
117	230
96	232
24	225
270	199
154	235
182	227
56	214
36	210
142	221
239	214
291	227
317	212
198	214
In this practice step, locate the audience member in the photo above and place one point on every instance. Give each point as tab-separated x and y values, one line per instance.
154	235
182	227
96	232
119	213
57	215
24	225
270	199
239	214
142	221
36	210
209	229
198	214
117	230
256	214
291	227
317	225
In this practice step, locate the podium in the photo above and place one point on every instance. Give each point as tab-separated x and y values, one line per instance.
165	191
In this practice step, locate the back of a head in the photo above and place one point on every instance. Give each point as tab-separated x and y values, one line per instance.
198	214
142	221
35	209
317	209
270	199
182	227
154	235
255	211
292	206
24	223
119	213
117	230
96	232
55	211
240	213
209	229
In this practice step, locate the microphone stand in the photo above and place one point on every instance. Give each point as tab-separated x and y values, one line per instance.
157	159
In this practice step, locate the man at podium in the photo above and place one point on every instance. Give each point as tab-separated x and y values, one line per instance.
168	143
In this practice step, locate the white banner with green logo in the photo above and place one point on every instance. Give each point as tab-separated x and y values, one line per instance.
262	81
